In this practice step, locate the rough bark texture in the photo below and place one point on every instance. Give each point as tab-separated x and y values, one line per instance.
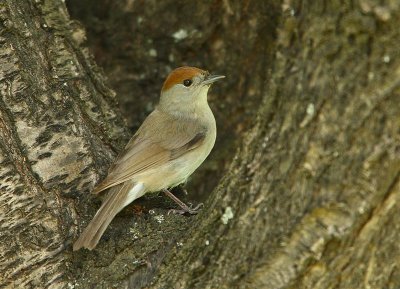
310	200
314	191
57	129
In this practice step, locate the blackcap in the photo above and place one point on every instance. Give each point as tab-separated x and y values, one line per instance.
168	147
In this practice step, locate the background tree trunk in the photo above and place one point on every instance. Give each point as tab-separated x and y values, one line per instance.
311	198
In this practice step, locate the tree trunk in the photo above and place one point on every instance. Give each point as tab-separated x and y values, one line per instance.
310	200
57	131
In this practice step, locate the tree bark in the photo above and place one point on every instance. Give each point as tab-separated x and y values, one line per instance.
57	130
310	200
315	188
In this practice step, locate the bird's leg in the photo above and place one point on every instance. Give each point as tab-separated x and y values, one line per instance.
185	208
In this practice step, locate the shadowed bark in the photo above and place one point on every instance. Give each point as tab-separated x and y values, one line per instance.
310	200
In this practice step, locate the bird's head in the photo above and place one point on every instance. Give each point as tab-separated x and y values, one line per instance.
186	88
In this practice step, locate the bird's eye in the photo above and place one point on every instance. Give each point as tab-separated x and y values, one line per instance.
187	82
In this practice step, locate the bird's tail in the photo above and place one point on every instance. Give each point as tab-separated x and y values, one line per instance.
117	198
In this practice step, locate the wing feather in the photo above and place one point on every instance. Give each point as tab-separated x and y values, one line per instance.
149	147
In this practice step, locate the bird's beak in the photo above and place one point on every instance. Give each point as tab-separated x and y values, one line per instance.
212	78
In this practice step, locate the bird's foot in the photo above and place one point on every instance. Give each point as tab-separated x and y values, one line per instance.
186	210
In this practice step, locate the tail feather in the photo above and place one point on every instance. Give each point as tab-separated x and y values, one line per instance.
118	197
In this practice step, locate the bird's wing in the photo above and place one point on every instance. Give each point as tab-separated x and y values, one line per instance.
161	138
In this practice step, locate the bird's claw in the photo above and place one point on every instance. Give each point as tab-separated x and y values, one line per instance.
189	209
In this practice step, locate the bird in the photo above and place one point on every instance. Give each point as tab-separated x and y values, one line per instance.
172	142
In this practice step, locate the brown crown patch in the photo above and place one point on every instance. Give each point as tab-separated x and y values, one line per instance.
179	74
